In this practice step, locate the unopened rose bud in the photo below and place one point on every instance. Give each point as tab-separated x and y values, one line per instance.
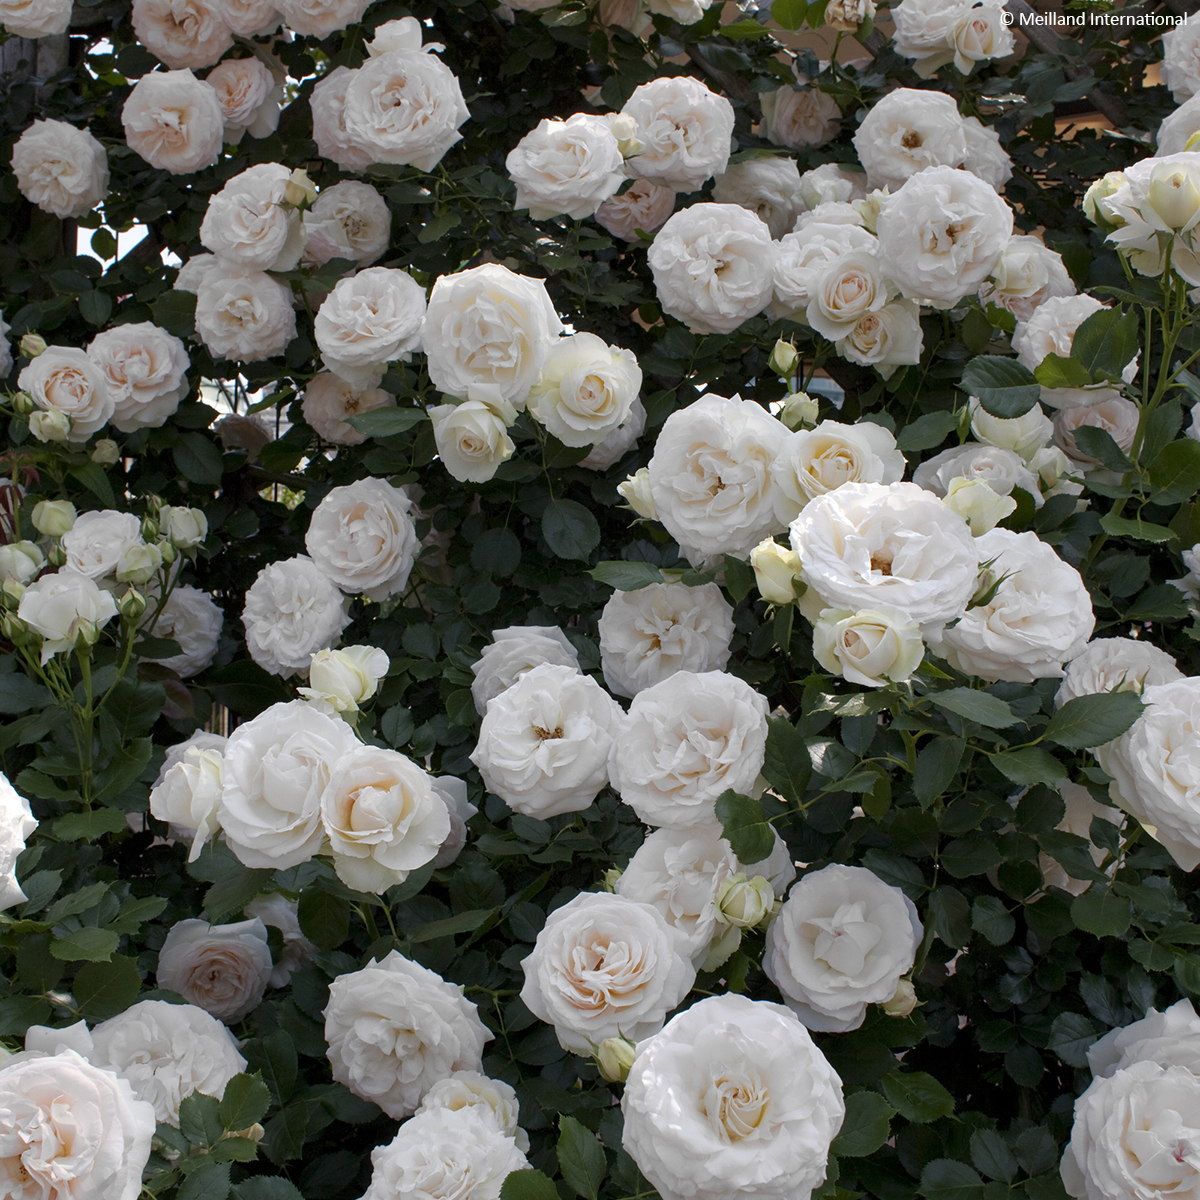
132	605
87	634
56	557
31	345
106	452
799	411
903	1002
139	563
21	561
745	902
783	359
614	1057
11	592
868	209
625	130
299	189
635	491
346	678
611	878
775	571
186	527
1174	195
12	628
50	426
977	504
1095	201
22	402
167	552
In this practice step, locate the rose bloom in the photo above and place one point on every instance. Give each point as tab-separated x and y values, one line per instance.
802	258
767	187
799	117
648	635
21	561
61	169
544	742
1155	210
320	18
1119	664
488	333
986	157
886	339
248	95
906	132
1079	810
222	969
979	34
1178	127
1170	1038
17	822
710	476
586	389
871	647
685	741
292	610
643	205
604	966
346	678
566	168
685	130
848	15
1001	470
923	31
145	368
174	121
732	1100
841	941
1118	418
368	321
1155	777
841	213
1181	60
1040	617
70	1130
35	18
247	224
191	618
96	541
395	1029
831	182
183	34
63	379
847	289
329	400
187	797
513	653
1027	274
680	873
245	316
713	267
619	441
328	103
445	1154
278	912
868	544
404	107
382	818
276	769
490	1098
348	220
471	440
60	606
1024	435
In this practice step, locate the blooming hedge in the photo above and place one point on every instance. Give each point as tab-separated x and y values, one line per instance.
604	603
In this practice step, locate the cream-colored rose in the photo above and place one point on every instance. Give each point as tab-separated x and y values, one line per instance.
978	503
907	131
17	822
1023	435
346	678
566	167
799	117
513	653
885	339
249	98
329	400
245	316
643	205
348	220
614	1057
472	441
328	104
63	607
1027	274
66	381
189	796
97	540
871	647
1119	664
320	18
1118	418
686	129
61	169
586	389
802	257
174	121
20	561
619	441
184	528
768	187
1001	469
635	491
849	288
222	969
745	903
979	34
35	18
248	225
1181	60
145	368
182	34
776	570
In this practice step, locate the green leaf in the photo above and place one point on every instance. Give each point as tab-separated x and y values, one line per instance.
246	688
1030	765
267	1187
104	989
745	826
209	1181
284	1139
1093	720
1054	371
464	922
581	1158
965	857
1175	472
234	1149
946	1179
199	1121
937	764
324	918
927	431
176	312
1097	442
17	1013
497	552
1070	1036
233	891
917	1097
788	765
87	944
789	13
739	578
984	709
95	307
245	1102
93	477
990	918
528	1185
198	459
76	902
569	529
1106	342
1141	531
991	1155
385	422
19	694
627	576
1101	913
951	916
867	1126
1002	385
274	1057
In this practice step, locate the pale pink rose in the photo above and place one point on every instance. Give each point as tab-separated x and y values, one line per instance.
145	368
35	18
249	97
63	379
174	121
799	117
183	34
685	130
248	18
643	205
328	104
320	18
348	220
245	316
61	169
223	969
329	400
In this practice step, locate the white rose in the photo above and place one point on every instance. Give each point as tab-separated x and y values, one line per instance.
1119	664
1178	127
713	267
276	768
1133	1135
94	544
566	168
348	220
404	107
472	441
245	316
847	289
680	873
64	380
182	34
1181	60
831	182
871	647
648	635
1027	274
292	610
666	770
453	794
20	561
1152	780
697	1100
1002	470
710	476
35	18
249	98
329	400
802	257
1024	435
544	742
1039	618
251	18
776	571
941	235
799	117
347	677
61	169
979	503
280	913
686	131
188	796
986	157
492	1098
1170	1038
867	544
1117	416
1079	810
605	966
328	103
886	339
145	368
978	34
174	121
70	1130
841	941
62	606
514	652
635	491
838	212
369	320
1051	330
487	334
586	389
191	618
200	740
248	226
17	822
320	18
445	1154
906	132
222	969
923	32
643	205
382	818
396	1028
768	187
619	440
